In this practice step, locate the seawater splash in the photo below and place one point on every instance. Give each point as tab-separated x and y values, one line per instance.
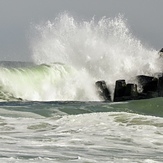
87	51
106	49
44	83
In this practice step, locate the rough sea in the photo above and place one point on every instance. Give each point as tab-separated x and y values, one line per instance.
84	132
50	110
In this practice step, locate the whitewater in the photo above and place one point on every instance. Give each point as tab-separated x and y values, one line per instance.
50	110
69	56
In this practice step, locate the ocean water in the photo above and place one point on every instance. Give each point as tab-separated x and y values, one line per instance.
50	110
70	131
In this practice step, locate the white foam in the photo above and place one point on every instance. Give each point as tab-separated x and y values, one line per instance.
106	49
95	137
88	50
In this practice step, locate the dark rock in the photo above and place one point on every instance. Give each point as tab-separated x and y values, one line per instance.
160	87
119	92
131	90
149	85
161	50
103	91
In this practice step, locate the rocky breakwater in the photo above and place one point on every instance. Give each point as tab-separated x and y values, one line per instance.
145	87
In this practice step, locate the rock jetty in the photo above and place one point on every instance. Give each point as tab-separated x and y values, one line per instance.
146	87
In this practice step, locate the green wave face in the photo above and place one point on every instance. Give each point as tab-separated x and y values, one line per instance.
45	82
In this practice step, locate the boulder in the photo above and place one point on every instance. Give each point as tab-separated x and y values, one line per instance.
149	86
103	90
131	90
125	91
119	92
160	86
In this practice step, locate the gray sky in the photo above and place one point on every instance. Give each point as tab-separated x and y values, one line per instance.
144	18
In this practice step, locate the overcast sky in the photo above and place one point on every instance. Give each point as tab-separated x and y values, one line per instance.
143	16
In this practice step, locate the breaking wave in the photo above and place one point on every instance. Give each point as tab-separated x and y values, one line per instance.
71	55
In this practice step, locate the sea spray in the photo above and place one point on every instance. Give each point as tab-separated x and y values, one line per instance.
105	49
71	55
43	82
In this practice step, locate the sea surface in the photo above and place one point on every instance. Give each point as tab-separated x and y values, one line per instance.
84	132
50	110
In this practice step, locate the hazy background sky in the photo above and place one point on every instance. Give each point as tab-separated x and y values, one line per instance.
144	18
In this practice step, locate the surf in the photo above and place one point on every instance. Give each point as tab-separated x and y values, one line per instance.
70	55
45	82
